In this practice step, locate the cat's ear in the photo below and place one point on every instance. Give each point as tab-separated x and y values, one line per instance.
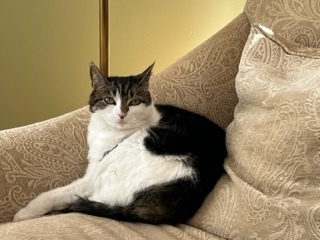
97	77
145	76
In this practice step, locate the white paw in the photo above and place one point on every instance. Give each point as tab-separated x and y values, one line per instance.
24	214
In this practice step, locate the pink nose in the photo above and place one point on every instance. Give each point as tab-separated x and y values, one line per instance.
122	115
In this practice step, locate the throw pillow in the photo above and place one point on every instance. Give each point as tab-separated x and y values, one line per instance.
272	190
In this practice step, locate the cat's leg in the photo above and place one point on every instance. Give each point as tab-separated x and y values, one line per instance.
55	199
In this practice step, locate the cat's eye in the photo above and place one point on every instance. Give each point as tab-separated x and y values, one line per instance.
135	102
109	100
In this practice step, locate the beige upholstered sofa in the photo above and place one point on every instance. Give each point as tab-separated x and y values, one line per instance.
259	85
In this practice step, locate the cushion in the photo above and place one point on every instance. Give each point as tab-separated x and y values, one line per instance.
75	226
296	20
272	187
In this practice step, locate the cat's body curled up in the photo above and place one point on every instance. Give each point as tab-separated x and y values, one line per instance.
147	162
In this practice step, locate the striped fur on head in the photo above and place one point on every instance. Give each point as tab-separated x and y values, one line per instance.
129	88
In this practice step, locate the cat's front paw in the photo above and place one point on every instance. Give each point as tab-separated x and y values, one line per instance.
24	214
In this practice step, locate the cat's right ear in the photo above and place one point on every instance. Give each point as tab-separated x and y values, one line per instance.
97	77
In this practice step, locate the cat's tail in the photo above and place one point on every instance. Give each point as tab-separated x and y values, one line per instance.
130	213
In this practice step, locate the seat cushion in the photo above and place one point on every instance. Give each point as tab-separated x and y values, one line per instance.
78	226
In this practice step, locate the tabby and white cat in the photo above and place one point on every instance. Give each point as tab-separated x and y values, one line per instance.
147	162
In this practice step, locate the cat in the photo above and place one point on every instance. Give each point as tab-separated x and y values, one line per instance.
148	162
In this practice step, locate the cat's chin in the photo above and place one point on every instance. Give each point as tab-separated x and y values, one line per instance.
121	124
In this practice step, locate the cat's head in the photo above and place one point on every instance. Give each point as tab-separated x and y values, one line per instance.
123	101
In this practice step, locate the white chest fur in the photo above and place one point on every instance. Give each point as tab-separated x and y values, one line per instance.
129	168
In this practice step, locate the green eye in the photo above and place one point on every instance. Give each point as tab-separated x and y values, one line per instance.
135	102
109	100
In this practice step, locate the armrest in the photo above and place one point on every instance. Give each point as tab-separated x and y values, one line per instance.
204	79
39	157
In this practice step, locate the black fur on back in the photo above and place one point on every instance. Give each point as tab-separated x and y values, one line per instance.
179	132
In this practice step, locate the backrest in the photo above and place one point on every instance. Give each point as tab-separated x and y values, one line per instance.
203	80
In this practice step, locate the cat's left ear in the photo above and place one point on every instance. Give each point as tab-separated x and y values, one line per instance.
145	76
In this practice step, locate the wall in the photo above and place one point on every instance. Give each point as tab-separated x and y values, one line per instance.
46	47
143	31
45	51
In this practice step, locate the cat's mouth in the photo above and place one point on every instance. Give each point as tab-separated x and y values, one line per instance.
120	122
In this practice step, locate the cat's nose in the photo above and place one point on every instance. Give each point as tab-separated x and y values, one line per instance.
122	115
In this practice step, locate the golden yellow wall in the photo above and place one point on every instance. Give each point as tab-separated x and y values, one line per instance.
46	46
45	50
143	31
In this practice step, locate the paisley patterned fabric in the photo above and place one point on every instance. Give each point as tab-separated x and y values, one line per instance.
295	20
78	226
203	80
270	190
40	157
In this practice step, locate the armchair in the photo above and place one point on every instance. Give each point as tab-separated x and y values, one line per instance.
52	153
